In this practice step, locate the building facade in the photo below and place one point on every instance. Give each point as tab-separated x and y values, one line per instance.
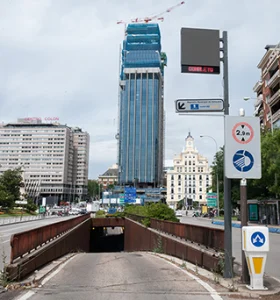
267	105
141	111
53	157
110	177
190	178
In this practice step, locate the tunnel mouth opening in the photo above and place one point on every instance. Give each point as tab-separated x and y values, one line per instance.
107	239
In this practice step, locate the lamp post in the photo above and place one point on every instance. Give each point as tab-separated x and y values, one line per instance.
217	173
270	111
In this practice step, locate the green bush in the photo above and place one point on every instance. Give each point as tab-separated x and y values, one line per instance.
158	211
100	214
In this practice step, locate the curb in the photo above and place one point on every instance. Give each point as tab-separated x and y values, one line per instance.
234	288
237	225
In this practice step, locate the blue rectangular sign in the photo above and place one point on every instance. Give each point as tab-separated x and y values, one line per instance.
129	195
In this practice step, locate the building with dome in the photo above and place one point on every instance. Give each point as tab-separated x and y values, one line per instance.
190	178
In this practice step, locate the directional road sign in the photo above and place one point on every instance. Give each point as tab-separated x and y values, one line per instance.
242	147
199	105
258	239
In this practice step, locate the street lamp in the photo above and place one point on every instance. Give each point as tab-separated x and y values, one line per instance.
270	111
217	173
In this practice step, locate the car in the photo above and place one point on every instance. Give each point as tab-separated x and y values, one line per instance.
179	214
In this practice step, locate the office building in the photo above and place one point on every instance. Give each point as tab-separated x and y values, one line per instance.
53	157
141	110
267	104
190	177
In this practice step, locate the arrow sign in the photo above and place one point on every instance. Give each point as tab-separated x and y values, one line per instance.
199	105
181	106
257	239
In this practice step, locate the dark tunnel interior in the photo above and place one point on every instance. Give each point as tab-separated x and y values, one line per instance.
107	239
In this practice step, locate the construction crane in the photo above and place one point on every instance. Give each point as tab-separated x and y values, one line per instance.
158	17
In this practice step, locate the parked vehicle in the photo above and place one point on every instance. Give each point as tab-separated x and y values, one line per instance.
179	214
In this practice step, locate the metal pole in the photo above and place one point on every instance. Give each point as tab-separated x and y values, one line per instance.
217	174
245	278
228	269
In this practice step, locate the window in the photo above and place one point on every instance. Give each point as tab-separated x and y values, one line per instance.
200	177
190	163
190	190
172	177
179	182
200	197
179	177
200	189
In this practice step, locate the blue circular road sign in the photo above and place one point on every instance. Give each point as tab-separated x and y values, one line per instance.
258	239
243	161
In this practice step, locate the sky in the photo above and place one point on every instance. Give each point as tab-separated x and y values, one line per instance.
60	58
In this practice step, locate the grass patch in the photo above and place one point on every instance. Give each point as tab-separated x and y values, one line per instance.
222	218
15	213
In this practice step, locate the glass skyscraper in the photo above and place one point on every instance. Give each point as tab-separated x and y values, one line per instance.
141	115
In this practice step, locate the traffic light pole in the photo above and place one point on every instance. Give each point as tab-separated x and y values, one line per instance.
228	269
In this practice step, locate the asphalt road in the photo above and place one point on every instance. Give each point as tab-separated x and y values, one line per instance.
274	240
6	231
121	276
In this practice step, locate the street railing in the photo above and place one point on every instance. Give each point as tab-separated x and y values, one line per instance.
206	236
27	241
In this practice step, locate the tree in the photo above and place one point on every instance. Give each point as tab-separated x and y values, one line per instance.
263	188
30	206
10	182
93	188
6	199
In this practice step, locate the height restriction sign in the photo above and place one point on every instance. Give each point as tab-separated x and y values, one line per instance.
242	147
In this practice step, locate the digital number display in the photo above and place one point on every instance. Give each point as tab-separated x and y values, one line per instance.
201	69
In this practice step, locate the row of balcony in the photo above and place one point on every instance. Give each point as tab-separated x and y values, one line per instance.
274	78
273	58
272	100
276	116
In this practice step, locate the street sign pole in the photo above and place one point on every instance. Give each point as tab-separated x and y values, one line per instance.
228	268
244	222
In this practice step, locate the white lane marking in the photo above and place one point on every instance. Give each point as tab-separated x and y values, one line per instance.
5	242
57	270
27	295
31	293
213	293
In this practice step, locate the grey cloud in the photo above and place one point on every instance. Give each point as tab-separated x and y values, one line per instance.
61	58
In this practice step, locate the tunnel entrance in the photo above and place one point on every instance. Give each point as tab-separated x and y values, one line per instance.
107	239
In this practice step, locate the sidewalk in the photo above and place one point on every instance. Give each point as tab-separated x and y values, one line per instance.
12	220
237	224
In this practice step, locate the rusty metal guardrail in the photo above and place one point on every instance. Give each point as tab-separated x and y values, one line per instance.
26	241
139	238
206	236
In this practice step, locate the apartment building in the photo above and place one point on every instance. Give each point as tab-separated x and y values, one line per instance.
53	157
267	105
110	177
190	177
